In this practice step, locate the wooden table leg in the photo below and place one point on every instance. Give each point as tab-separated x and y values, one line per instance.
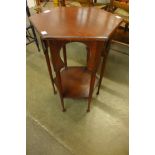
60	90
65	56
94	56
45	50
95	1
91	90
104	59
58	64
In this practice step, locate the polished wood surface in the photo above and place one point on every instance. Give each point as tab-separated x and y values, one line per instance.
75	82
90	26
72	23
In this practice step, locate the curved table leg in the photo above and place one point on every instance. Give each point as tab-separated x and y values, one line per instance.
105	54
45	50
65	56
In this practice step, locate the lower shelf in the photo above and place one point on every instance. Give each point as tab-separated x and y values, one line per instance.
75	82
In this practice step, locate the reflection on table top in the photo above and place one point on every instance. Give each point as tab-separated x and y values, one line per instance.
74	22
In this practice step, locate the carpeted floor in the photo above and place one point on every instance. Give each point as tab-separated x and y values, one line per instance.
103	131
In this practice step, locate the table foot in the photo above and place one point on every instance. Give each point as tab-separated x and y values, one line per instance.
55	92
97	93
88	110
63	110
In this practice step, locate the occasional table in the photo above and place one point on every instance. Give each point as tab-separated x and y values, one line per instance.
90	26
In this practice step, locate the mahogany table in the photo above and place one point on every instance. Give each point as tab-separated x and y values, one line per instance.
91	26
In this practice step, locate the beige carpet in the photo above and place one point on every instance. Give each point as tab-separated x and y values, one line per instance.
103	131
